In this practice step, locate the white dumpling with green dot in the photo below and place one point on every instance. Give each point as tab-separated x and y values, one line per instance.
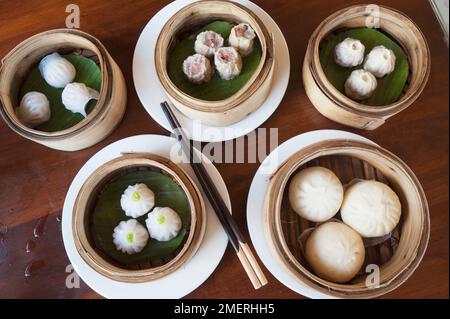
163	224
137	200
130	237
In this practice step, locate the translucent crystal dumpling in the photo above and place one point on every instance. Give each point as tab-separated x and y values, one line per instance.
34	109
57	71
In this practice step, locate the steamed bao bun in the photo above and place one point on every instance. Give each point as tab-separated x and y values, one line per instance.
316	194
335	252
372	208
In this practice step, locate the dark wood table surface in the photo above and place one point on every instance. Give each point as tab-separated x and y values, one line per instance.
34	179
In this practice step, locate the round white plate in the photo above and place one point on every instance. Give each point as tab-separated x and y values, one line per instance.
256	197
149	89
182	281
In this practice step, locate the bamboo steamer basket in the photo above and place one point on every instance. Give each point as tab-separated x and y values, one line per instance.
85	203
397	255
110	106
333	104
247	99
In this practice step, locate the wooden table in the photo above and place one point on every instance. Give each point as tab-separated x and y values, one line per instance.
34	180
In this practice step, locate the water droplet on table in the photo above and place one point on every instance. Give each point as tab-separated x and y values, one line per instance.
33	268
39	228
31	245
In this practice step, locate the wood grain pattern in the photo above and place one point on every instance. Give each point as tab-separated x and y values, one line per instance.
35	179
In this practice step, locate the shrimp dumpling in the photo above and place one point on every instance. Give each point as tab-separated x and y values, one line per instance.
57	71
163	224
208	42
360	85
242	38
335	252
137	200
371	208
349	53
316	194
197	69
76	96
130	237
380	61
34	109
228	63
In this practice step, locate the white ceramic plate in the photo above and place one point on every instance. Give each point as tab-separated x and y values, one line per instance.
256	197
151	93
182	281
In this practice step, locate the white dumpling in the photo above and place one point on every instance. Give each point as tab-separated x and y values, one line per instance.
163	224
197	69
335	252
228	63
242	38
57	71
380	61
207	43
316	194
349	53
371	208
34	109
76	96
130	237
137	200
360	85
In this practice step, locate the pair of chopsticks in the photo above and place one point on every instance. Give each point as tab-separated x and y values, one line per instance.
235	237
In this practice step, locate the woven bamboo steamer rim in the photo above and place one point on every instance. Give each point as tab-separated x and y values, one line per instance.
415	231
338	107
86	198
16	65
194	15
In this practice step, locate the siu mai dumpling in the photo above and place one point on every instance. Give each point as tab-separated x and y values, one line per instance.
228	63
208	42
242	38
197	69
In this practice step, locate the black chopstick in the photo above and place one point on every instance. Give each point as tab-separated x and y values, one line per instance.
236	239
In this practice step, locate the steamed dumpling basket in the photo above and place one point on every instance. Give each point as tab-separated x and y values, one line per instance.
397	254
244	102
333	104
85	203
111	103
